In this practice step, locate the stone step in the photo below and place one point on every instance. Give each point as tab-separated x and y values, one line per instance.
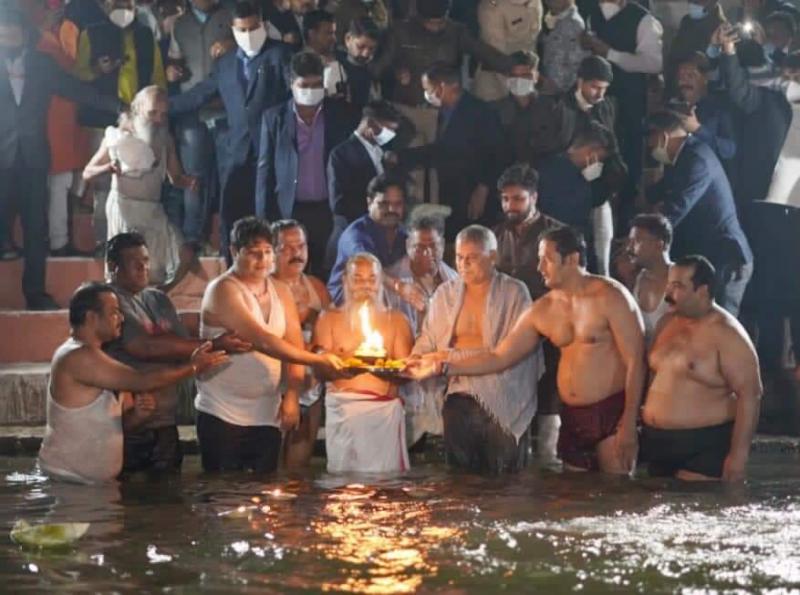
23	388
34	336
64	275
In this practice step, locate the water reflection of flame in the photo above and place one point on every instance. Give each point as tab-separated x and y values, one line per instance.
380	545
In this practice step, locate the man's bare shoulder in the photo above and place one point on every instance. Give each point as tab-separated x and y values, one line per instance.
282	289
610	291
318	286
725	327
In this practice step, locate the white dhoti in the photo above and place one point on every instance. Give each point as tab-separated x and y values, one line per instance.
365	432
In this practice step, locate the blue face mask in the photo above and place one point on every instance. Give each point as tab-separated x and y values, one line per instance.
201	16
769	49
696	12
713	51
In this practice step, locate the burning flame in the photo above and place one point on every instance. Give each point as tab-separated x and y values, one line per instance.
373	341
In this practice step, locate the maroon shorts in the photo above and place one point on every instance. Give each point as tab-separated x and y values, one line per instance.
582	428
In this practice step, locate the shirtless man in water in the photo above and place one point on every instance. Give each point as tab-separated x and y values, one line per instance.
364	420
648	246
595	323
702	405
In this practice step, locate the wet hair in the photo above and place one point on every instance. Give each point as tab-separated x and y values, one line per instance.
703	272
433	9
656	225
119	243
596	135
86	299
245	9
525	58
443	73
364	27
381	110
519	174
664	121
480	235
595	68
382	182
567	240
305	64
699	60
247	230
313	19
427	223
783	18
285	225
364	257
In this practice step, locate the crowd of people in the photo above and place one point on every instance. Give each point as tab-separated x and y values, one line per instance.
566	223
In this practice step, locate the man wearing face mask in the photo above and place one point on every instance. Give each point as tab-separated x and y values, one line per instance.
120	56
467	154
629	37
28	81
356	161
411	47
200	36
249	80
565	178
508	26
319	33
696	197
694	34
297	138
780	28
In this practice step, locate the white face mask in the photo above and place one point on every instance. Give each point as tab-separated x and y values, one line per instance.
791	90
661	154
592	171
122	17
385	136
251	42
432	99
609	10
520	87
308	97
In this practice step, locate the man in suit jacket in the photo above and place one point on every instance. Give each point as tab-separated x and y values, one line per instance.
297	137
467	153
354	162
696	197
28	80
249	80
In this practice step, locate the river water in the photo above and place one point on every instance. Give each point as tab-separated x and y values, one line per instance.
428	531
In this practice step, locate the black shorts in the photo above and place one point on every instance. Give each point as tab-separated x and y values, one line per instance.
699	450
228	447
152	450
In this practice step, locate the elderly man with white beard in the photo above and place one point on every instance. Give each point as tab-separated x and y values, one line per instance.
140	152
364	421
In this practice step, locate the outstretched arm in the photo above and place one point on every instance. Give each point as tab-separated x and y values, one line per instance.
520	342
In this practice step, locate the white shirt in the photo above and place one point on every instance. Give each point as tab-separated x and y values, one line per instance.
648	58
374	151
16	75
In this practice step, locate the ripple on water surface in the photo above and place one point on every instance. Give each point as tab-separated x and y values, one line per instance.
428	531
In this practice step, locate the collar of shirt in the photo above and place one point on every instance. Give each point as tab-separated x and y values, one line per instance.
584	105
300	120
373	150
680	149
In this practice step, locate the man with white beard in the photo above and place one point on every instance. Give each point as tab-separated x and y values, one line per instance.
364	421
139	153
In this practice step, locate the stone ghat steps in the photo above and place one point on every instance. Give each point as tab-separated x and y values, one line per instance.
64	275
23	388
32	337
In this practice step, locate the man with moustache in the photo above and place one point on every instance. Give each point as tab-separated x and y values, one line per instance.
486	418
242	409
311	298
595	323
649	241
364	417
89	397
518	256
702	405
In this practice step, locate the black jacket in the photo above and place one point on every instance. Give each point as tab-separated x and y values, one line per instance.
24	127
349	172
